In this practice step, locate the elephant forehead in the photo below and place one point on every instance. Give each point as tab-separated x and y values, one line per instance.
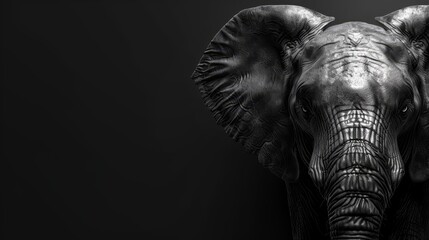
356	82
357	68
356	47
355	78
354	34
356	58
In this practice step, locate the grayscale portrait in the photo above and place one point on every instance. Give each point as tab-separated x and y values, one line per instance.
215	120
340	113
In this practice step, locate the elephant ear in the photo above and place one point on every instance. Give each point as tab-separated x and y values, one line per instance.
411	24
244	76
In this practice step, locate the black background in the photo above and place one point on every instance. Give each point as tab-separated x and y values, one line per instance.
106	136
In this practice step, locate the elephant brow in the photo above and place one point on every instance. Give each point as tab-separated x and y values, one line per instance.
370	63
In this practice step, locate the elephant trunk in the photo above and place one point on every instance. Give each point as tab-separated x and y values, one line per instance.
356	164
357	189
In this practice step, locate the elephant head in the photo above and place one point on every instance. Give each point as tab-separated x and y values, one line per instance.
348	105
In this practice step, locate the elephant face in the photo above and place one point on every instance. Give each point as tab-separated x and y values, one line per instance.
349	105
356	93
356	96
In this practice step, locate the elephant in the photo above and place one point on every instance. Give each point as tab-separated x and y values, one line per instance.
340	113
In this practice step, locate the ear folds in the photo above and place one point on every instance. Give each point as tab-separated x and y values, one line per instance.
411	25
244	75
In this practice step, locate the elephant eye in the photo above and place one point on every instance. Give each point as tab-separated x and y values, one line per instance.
406	108
304	109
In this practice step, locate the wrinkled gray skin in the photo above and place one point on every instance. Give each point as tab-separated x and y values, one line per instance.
341	114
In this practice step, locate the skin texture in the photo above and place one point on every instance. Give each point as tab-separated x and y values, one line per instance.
340	114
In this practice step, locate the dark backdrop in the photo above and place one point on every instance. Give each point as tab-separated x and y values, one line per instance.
106	136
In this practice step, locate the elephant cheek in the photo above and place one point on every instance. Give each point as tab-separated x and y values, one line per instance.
316	171
396	168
